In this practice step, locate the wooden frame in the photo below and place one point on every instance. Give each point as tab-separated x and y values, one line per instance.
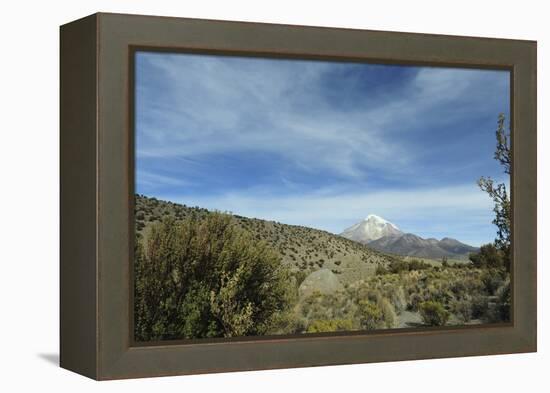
97	184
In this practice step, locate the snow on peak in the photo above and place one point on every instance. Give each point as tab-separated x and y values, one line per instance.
374	217
371	228
379	220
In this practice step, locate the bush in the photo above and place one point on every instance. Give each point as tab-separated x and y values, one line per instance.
381	270
492	281
480	306
299	277
332	325
489	256
462	309
433	313
397	266
206	278
397	297
414	302
417	264
369	315
504	301
500	312
388	313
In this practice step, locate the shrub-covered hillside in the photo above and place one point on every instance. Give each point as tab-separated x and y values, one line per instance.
205	274
302	249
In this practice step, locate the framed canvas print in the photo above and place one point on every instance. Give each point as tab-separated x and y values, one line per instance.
241	196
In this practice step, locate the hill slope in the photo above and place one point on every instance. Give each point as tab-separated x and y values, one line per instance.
303	249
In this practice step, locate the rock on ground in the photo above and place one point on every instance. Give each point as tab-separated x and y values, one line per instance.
323	281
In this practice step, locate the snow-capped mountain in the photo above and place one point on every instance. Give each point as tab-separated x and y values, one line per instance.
371	228
384	236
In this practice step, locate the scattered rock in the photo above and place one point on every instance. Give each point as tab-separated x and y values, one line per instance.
323	281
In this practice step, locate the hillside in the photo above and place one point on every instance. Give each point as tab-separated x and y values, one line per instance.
337	284
303	249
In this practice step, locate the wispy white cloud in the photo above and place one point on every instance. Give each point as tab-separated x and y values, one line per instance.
230	105
153	179
226	107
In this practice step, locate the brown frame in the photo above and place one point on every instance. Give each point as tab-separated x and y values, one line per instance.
97	189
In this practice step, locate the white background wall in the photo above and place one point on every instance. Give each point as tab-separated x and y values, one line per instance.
29	194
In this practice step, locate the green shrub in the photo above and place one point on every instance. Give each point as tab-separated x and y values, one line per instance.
369	315
414	302
388	313
417	264
439	291
500	310
398	266
480	306
462	309
206	278
299	277
318	306
458	288
331	325
397	298
433	313
504	301
381	270
489	256
492	280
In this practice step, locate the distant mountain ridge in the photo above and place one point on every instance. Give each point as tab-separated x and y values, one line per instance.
384	236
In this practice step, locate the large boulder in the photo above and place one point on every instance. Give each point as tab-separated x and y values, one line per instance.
323	281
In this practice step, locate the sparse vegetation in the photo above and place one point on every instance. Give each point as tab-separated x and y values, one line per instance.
370	316
433	313
297	245
205	274
330	325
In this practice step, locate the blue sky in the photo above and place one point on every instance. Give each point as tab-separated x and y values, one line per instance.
321	144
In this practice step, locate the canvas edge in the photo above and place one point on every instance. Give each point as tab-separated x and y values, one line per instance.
78	345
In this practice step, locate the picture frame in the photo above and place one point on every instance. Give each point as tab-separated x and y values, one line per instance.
96	195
